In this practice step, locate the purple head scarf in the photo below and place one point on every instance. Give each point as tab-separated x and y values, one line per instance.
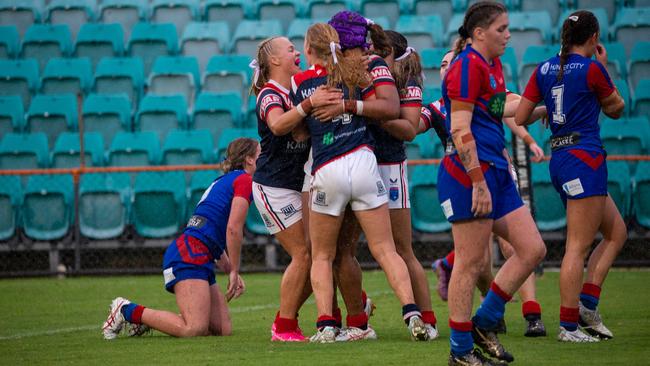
352	29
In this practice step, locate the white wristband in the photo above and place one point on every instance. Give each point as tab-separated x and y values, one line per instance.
359	108
300	110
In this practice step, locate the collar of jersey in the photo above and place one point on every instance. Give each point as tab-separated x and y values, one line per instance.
471	49
279	86
320	70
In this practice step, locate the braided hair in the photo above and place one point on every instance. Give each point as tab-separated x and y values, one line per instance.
576	30
264	52
480	14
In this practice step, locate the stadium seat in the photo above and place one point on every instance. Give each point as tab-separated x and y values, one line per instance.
230	134
379	8
126	13
550	214
609	6
216	112
639	63
431	93
624	90
227	73
250	33
52	114
250	119
107	115
641	195
12	114
67	76
11	196
178	12
421	31
204	40
20	13
283	10
616	60
67	151
452	28
134	149
184	147
159	200
631	25
47	211
232	12
619	185
553	7
426	214
161	114
201	180
533	56
104	201
175	76
430	60
626	137
19	77
74	13
44	42
442	8
298	29
510	66
96	41
421	147
529	28
641	101
254	222
601	15
120	76
9	41
324	8
149	41
24	151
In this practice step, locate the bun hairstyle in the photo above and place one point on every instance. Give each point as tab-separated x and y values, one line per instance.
261	65
576	30
407	64
237	152
481	14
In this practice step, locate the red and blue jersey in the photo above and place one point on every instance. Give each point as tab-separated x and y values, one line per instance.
434	116
335	138
472	79
573	102
210	218
282	158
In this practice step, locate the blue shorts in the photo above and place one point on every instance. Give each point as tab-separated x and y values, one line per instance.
455	190
187	258
578	173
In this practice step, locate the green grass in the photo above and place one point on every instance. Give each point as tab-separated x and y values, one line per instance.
50	321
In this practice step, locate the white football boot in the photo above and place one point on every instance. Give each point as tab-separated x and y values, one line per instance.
592	323
577	336
352	334
115	320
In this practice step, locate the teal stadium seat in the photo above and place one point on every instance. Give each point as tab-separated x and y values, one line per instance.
47	211
107	115
228	73
126	13
323	8
599	12
641	101
149	41
134	149
11	196
67	76
631	25
45	41
553	7
639	63
21	13
550	214
378	8
283	10
24	151
216	112
161	114
624	91
529	28
298	29
96	41
158	208
175	76
12	114
619	185
431	93
120	76
52	114
178	12
9	41
421	31
19	77
430	60
230	134
203	40
443	8
616	60
201	180
183	147
533	56
510	67
641	195
426	214
104	202
250	33
629	136
74	13
254	222
452	28
67	151
422	147
232	12
609	6
250	119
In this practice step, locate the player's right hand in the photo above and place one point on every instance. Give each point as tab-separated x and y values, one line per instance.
601	54
325	96
235	286
481	199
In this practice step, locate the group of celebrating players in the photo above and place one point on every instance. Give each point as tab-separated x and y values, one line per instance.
332	163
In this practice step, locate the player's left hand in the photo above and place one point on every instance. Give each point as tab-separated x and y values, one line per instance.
601	54
328	113
538	153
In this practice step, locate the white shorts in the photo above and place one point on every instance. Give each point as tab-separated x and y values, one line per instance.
395	178
279	207
352	178
306	184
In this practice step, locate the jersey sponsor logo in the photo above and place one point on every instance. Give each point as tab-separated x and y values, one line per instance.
573	187
493	82
393	193
296	146
320	199
328	138
307	92
565	140
344	118
381	72
268	100
544	68
288	211
497	104
381	189
447	209
196	221
267	220
168	275
392	181
412	93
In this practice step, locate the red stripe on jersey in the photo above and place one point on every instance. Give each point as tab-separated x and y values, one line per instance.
594	162
532	91
243	187
192	250
599	81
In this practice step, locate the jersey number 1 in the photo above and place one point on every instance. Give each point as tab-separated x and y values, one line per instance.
558	95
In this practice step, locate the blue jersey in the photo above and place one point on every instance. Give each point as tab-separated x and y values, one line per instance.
282	158
572	103
434	116
210	219
335	138
472	79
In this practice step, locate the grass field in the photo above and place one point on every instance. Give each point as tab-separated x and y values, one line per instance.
50	321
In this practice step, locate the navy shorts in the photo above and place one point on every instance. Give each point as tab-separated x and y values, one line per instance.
578	173
455	190
187	258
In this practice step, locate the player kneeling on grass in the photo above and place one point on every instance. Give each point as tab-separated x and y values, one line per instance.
215	231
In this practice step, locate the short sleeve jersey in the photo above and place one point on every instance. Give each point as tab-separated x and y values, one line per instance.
335	138
472	79
210	218
573	102
434	116
282	158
